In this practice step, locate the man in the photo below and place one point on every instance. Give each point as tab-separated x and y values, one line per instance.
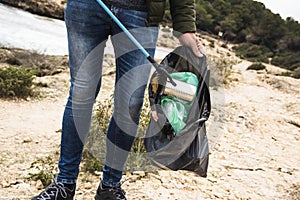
88	28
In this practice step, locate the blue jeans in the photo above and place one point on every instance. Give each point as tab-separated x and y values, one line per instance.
88	28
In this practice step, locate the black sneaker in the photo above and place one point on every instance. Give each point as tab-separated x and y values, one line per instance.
109	193
57	191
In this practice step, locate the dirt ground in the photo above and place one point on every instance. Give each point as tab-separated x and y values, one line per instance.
254	152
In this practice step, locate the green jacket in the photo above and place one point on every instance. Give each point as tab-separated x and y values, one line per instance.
182	12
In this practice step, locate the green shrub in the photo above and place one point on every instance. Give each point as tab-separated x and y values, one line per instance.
220	71
289	74
16	82
104	111
44	64
296	73
94	152
13	61
256	66
287	60
258	53
90	163
45	170
252	52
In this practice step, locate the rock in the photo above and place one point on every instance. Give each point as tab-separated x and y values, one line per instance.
165	180
39	185
98	173
27	140
23	186
223	157
139	173
88	186
154	176
5	184
177	185
164	173
156	185
134	178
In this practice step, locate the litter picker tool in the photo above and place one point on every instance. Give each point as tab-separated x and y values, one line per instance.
172	87
159	69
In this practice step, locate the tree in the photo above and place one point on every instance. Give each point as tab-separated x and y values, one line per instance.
269	29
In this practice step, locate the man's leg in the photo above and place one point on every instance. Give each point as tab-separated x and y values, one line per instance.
132	73
88	28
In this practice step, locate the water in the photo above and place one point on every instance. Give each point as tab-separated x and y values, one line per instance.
21	29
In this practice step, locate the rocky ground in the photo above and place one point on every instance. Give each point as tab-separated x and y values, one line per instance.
48	8
254	151
254	133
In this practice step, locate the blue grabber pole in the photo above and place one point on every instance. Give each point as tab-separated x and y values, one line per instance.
159	69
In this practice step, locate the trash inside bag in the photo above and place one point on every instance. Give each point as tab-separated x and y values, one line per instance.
177	139
187	77
176	109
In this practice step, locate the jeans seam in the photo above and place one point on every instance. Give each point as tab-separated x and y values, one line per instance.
67	181
117	110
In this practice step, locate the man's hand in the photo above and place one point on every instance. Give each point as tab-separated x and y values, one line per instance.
154	115
190	39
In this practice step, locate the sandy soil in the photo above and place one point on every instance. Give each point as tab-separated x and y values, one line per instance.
254	153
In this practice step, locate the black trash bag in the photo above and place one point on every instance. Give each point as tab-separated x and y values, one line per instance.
188	149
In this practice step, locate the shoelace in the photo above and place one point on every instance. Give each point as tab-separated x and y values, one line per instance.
53	190
119	192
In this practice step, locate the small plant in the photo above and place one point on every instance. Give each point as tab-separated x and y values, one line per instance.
137	159
104	111
16	82
289	74
256	66
94	152
90	163
45	168
220	71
